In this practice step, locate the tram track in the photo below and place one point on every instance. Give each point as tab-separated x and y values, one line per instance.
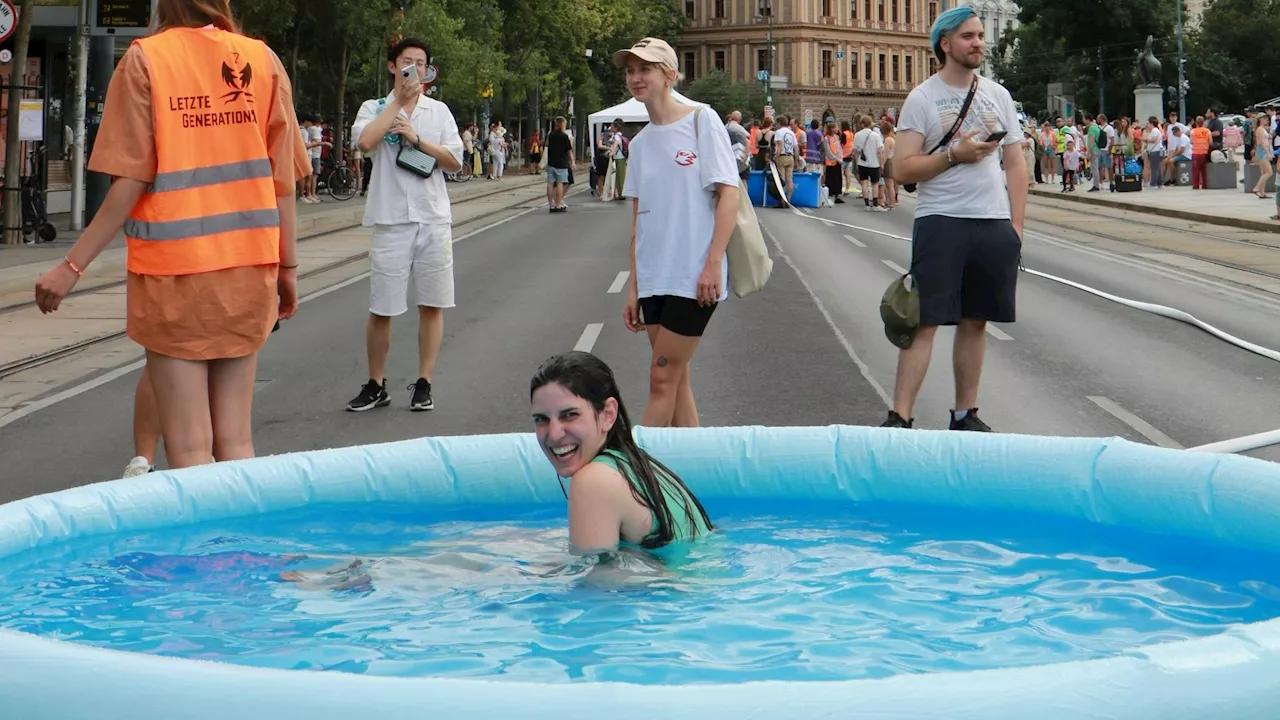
1181	253
15	367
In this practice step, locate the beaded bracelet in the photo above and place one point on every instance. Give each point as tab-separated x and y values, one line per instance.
74	269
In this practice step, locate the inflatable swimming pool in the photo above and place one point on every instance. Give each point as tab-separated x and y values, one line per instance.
1228	500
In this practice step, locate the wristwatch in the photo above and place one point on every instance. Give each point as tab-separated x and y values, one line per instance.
951	159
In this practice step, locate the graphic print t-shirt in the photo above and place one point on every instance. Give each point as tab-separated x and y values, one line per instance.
673	174
972	190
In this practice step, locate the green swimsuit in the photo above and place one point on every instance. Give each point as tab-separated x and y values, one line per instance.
683	524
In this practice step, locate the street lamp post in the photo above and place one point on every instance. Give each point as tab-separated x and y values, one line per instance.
1182	83
765	12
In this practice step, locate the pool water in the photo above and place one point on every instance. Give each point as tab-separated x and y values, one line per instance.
802	591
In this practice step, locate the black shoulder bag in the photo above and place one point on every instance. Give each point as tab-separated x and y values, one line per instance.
964	111
415	161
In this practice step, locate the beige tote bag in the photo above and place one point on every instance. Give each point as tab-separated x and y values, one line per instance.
749	263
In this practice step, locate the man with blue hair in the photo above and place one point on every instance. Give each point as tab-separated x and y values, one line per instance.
967	238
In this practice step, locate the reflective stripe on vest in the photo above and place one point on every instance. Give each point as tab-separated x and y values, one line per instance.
212	205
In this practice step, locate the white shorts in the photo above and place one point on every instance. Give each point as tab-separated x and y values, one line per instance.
396	252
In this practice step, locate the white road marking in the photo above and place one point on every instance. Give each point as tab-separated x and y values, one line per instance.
997	333
620	281
84	387
1143	427
855	241
36	407
589	336
848	347
895	267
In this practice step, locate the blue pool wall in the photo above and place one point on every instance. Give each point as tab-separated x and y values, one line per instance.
1225	499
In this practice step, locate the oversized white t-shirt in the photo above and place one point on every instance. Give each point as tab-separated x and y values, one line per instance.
673	176
867	144
970	190
788	139
317	135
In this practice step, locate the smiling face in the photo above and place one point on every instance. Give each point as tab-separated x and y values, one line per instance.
570	431
966	44
646	79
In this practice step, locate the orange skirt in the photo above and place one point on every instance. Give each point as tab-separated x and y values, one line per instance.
207	316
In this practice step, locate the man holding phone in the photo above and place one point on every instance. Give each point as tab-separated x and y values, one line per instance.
413	141
967	239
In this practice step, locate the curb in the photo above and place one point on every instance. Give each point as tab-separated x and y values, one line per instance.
1242	223
316	224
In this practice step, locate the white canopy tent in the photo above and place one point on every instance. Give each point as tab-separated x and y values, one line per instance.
630	111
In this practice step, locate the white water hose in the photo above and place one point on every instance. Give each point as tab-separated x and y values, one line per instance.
1235	445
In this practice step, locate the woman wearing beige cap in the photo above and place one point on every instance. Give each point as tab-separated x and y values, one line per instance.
683	181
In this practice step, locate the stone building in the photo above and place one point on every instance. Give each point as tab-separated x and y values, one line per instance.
830	57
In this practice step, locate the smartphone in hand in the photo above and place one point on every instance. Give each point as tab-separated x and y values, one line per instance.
996	136
411	73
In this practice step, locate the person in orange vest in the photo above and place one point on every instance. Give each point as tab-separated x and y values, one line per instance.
200	137
1201	139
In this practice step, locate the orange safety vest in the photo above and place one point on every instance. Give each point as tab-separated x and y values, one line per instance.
848	143
1201	138
213	203
834	149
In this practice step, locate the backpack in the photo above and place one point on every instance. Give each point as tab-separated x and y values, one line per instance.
625	145
1102	139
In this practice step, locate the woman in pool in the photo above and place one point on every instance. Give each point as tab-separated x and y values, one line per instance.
618	493
585	431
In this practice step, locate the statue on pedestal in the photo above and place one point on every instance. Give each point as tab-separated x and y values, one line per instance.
1148	66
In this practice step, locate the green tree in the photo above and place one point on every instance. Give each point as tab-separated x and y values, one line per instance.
1064	42
1224	67
717	89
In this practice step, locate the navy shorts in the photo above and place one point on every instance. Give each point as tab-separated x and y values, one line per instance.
965	268
680	315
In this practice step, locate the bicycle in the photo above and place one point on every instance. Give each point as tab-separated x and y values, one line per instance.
341	183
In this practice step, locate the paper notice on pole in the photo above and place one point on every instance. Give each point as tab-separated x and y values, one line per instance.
31	120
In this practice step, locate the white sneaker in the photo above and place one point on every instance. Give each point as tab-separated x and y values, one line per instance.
137	466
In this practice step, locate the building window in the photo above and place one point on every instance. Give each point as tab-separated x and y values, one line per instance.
882	73
933	65
906	12
907	67
933	12
895	68
719	60
880	4
866	10
826	8
720	9
688	9
866	67
691	65
762	60
827	70
893	11
853	11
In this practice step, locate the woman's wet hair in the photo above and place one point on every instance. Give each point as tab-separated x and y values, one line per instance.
588	377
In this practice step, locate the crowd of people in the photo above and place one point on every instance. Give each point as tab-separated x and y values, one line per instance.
208	211
1151	152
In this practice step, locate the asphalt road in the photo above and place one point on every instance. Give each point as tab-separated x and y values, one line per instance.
809	350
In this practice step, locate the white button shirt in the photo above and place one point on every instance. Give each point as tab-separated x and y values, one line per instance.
398	196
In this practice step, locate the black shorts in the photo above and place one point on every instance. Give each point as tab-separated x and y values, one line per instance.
869	173
965	269
680	315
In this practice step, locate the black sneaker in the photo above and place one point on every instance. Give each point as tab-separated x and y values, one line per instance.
897	421
970	422
371	396
421	399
